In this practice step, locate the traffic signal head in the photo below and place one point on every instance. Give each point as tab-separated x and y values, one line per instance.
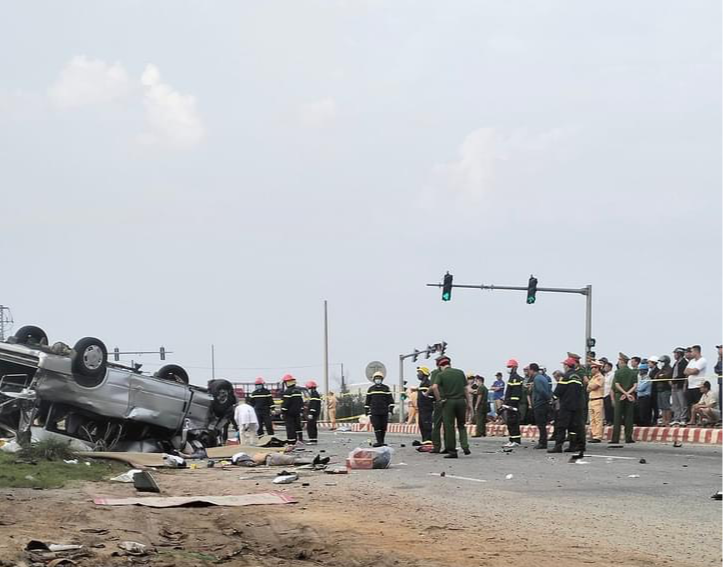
163	353
447	287
531	290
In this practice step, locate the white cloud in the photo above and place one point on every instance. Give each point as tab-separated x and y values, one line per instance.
482	154
319	113
85	81
172	119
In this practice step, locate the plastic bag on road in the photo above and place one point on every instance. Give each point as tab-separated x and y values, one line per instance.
376	458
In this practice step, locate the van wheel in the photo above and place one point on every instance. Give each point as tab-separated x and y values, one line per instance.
173	372
30	335
89	361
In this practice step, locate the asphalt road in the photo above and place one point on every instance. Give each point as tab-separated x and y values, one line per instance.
662	506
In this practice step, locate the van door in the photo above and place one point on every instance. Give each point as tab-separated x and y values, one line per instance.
157	402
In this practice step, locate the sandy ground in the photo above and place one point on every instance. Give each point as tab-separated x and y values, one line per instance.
365	518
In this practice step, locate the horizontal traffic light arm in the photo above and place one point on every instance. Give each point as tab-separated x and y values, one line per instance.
581	291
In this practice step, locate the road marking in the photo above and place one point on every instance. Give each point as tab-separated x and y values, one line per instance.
611	457
458	477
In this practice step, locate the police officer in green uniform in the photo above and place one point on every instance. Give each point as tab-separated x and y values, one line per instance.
481	408
623	387
455	398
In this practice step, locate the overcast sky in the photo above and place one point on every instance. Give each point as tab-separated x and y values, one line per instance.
189	173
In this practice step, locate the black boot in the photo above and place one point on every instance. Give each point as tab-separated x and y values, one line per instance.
555	449
451	455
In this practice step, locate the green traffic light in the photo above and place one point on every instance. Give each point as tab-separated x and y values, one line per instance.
530	299
446	296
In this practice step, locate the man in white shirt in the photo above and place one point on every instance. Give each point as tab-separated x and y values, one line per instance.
695	371
247	423
705	409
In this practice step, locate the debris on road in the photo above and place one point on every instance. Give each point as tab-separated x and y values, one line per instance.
633	476
174	462
285	477
445	475
717	496
677	444
509	477
337	470
642	461
133	548
37	545
143	481
376	458
126	476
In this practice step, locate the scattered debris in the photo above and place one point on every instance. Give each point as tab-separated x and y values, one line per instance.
633	476
144	482
126	476
677	444
174	462
377	458
133	547
717	496
509	476
329	484
70	461
37	545
642	461
402	445
337	470
174	501
285	477
581	462
416	443
98	531
61	562
445	475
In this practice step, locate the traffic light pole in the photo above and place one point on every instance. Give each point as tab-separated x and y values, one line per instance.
586	291
431	349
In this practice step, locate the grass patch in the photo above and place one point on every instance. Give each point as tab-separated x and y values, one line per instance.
47	450
18	472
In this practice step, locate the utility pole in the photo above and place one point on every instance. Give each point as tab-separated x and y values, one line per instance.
213	362
586	291
6	321
326	349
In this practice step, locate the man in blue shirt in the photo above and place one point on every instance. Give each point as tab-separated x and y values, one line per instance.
645	395
541	395
498	392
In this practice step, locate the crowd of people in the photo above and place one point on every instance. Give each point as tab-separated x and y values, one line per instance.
633	390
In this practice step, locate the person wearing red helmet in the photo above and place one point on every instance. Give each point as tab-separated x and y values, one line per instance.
314	410
570	391
511	405
262	401
291	408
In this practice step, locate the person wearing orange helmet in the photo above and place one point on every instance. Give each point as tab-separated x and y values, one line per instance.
291	407
511	405
262	401
314	410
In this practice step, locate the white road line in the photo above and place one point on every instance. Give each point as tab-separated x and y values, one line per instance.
611	457
458	477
